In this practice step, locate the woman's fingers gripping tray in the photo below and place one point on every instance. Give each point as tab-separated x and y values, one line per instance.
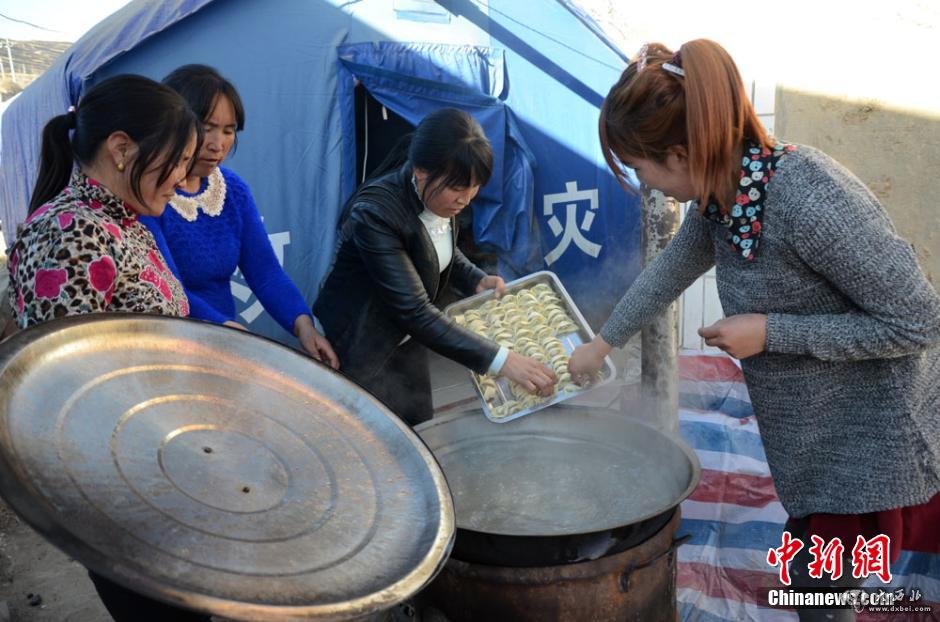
528	373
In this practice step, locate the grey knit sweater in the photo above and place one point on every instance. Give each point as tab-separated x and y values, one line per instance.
847	393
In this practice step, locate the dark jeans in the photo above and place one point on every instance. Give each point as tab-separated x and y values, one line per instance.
404	383
125	605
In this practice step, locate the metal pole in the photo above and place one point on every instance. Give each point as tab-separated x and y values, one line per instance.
10	56
659	359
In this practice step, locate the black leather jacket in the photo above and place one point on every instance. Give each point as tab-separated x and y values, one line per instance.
384	282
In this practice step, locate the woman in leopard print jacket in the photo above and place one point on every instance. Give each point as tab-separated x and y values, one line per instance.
82	249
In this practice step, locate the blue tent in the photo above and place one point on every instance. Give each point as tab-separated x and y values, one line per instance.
533	74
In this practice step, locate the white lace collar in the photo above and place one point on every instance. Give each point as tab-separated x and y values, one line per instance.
210	200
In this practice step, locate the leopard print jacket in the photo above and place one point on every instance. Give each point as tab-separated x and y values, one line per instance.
85	252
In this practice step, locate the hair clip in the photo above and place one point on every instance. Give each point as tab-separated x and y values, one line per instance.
674	69
641	57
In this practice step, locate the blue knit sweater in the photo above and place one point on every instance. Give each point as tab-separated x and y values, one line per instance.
206	252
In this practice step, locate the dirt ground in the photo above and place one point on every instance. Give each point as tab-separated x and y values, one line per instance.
38	582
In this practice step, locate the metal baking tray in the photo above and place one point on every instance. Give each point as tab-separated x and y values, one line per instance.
570	341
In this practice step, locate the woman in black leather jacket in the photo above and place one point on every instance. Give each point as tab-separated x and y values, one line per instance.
397	255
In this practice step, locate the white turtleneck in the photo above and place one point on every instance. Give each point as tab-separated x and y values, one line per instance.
442	236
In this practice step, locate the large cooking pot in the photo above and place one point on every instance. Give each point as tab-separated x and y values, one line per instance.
564	485
216	470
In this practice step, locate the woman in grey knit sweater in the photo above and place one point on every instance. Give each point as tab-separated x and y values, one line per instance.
836	326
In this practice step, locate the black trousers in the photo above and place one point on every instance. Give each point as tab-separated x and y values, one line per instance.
404	383
125	605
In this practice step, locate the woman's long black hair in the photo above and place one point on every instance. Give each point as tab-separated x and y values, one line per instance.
154	116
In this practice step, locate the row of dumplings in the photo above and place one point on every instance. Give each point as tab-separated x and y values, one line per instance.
528	322
533	313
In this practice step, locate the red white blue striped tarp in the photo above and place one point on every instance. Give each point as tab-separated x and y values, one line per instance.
734	516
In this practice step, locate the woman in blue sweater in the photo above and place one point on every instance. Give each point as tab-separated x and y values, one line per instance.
212	227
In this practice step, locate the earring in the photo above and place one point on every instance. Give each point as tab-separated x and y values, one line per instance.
120	167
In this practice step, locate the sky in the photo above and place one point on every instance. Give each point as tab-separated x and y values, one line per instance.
858	50
53	20
884	51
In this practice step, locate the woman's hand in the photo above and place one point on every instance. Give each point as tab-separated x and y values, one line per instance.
529	374
587	359
491	281
313	342
740	336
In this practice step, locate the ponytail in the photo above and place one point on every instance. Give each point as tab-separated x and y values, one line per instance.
718	117
155	117
395	158
56	160
693	99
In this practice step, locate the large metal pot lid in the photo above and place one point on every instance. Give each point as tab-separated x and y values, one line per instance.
217	470
564	470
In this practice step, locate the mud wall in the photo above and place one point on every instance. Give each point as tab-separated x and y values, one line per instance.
896	153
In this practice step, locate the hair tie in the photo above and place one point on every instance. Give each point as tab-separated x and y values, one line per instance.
72	115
